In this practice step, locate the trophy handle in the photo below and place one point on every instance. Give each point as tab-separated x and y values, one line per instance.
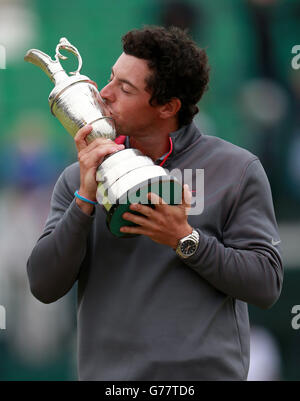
66	45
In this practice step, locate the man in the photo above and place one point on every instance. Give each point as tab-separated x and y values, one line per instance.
171	303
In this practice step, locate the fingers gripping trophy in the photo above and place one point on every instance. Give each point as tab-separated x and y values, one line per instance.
124	177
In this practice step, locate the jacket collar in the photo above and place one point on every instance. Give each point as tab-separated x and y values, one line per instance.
184	137
180	141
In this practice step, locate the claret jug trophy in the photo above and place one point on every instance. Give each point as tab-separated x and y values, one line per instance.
124	177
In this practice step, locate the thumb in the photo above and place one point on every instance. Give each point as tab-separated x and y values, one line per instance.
186	198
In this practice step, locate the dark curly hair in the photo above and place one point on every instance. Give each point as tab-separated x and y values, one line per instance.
180	68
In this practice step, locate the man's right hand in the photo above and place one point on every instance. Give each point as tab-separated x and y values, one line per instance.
90	156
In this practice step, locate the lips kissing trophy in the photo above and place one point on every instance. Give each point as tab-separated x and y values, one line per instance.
124	177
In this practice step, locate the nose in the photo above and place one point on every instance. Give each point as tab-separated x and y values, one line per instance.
107	93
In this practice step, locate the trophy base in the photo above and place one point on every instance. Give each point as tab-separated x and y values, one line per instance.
167	187
127	177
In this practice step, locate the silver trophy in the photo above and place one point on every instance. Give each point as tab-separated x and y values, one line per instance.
124	177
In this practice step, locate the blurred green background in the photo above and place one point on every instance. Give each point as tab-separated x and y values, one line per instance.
253	101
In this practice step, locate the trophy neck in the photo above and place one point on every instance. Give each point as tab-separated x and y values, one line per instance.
64	81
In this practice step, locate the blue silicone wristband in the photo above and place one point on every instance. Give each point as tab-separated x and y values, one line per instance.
84	199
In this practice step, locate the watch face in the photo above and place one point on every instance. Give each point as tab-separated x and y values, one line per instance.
188	247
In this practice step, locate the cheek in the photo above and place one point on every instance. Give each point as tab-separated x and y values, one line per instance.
130	110
133	109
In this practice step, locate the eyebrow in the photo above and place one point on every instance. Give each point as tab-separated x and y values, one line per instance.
125	81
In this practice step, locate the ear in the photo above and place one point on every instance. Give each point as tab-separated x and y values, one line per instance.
170	109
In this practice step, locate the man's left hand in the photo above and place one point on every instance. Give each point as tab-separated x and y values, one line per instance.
166	224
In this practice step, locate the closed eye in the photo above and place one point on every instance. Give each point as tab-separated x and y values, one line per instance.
121	84
124	90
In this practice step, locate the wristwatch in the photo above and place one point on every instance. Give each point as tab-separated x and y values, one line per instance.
188	245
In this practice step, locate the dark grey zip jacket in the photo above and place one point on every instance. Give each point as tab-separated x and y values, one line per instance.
145	314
